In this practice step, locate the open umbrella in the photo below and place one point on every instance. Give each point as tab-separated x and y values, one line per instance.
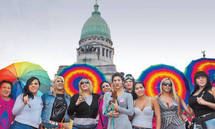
20	72
152	76
202	64
74	73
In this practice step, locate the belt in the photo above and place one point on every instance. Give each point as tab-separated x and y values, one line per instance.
136	127
206	115
54	122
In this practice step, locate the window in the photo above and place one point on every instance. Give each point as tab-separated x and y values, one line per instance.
98	51
110	54
103	51
106	52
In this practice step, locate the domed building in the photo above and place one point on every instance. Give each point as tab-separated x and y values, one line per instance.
95	45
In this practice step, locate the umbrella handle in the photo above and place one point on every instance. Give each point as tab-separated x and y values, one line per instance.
20	84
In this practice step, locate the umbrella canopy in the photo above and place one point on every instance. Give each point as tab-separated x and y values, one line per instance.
20	72
152	76
203	64
74	73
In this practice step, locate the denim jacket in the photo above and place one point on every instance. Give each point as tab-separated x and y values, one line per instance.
48	101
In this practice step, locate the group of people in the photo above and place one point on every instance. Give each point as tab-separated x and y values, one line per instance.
122	105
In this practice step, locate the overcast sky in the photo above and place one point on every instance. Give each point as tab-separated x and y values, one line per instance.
144	32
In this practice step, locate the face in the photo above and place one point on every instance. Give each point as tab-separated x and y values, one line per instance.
34	86
201	81
129	84
117	82
167	86
139	90
5	90
85	84
106	87
59	84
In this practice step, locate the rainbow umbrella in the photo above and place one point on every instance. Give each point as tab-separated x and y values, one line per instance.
152	76
74	73
202	64
20	72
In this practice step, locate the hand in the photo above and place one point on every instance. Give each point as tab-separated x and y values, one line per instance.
25	99
114	114
201	101
80	100
189	124
116	106
66	125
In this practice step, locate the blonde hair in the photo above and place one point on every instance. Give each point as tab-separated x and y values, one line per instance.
90	88
173	93
55	79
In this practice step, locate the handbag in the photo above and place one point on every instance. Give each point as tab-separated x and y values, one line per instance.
210	124
60	124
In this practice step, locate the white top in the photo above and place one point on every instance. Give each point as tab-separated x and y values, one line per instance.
29	114
143	118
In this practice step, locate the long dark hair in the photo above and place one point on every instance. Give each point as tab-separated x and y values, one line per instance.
11	85
26	90
208	85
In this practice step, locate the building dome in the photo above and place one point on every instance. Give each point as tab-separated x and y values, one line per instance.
95	25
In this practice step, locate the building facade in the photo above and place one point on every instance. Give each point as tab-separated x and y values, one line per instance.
95	45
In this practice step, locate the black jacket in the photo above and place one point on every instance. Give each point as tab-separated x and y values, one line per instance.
83	110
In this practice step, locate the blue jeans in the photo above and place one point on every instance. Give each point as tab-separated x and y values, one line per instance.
84	126
140	128
49	126
17	125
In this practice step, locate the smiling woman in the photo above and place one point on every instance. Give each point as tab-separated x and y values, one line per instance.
170	106
6	104
27	105
202	100
84	105
144	109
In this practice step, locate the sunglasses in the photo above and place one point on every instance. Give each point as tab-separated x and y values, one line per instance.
129	77
105	86
84	82
167	84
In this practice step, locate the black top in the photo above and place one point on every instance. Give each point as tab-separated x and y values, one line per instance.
134	95
198	109
59	108
83	110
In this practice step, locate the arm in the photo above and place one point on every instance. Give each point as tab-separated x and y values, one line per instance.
157	112
18	106
130	110
72	106
206	103
105	104
185	107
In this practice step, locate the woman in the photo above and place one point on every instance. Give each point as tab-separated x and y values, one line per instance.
129	85
144	109
118	105
103	120
6	104
55	103
84	106
28	107
170	106
202	100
